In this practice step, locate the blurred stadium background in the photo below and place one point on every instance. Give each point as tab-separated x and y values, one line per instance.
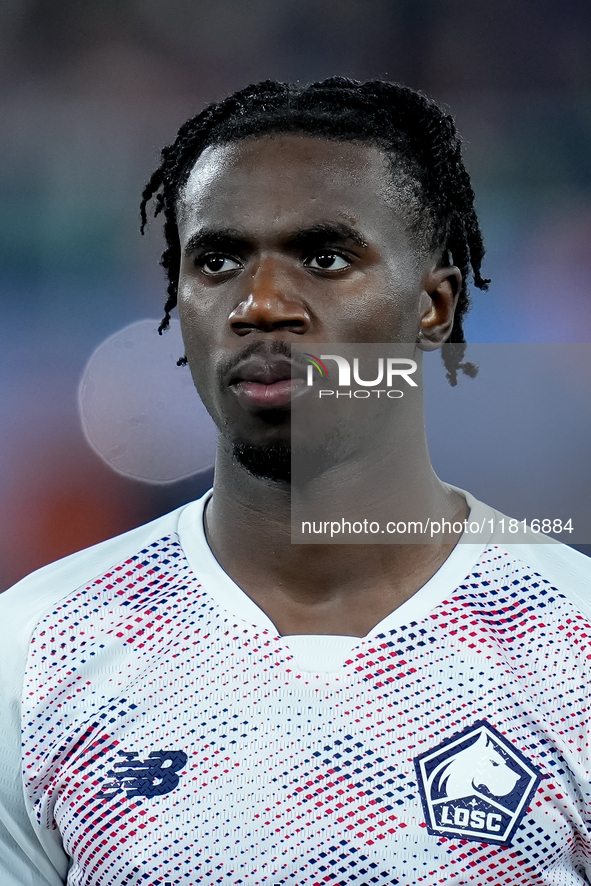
89	93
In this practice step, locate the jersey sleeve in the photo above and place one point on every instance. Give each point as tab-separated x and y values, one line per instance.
27	858
31	855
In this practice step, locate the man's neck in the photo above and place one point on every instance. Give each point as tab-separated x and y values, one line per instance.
341	589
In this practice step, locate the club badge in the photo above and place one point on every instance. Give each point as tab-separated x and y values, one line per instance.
476	786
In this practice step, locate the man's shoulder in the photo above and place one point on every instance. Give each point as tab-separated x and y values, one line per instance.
23	604
513	548
564	568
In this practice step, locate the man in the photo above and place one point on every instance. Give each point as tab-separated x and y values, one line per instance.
204	701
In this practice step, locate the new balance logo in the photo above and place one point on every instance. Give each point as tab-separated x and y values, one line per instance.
153	777
476	786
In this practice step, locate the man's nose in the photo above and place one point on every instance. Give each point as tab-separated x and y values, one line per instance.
271	304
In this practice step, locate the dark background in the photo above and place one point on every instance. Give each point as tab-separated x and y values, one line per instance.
91	91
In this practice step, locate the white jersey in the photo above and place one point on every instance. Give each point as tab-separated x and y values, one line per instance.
157	730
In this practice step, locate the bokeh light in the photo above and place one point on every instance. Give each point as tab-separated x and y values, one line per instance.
140	411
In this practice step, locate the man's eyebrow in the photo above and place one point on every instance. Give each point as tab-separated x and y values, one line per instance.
329	232
217	238
233	238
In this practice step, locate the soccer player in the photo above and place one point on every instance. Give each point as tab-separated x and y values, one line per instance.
200	701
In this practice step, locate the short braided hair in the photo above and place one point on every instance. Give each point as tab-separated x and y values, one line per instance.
421	141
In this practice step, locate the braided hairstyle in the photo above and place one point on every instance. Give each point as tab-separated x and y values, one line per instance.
420	140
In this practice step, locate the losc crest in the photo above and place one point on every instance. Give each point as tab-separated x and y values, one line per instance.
476	786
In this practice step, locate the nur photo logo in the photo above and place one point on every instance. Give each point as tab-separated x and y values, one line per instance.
389	371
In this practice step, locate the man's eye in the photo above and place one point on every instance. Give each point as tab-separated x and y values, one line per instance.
328	261
218	264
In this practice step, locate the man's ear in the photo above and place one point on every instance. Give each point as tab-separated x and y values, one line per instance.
437	305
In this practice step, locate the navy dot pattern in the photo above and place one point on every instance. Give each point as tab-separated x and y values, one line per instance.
286	777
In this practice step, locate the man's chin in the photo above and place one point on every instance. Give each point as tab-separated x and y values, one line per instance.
281	463
269	462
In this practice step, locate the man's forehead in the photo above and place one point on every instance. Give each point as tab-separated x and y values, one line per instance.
287	172
315	151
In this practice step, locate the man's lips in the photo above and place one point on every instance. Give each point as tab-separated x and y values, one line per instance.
277	393
267	383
